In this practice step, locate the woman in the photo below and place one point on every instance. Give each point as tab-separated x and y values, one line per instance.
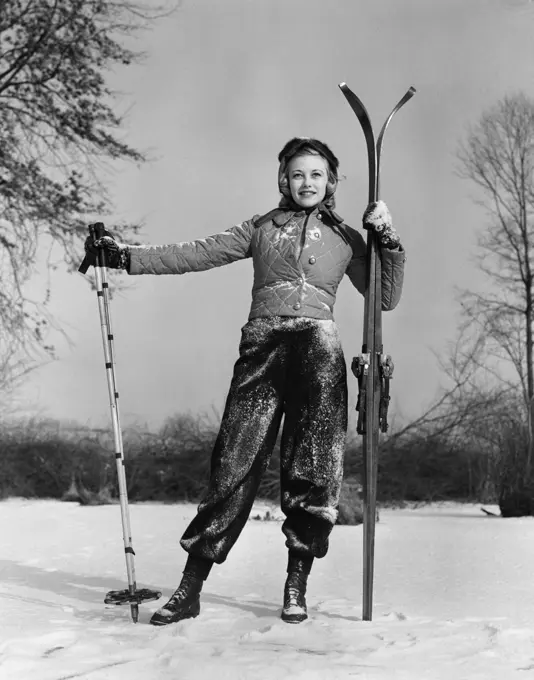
290	364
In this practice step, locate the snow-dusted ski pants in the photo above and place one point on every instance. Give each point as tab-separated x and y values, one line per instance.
291	366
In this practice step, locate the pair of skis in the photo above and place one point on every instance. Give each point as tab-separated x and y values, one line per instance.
372	367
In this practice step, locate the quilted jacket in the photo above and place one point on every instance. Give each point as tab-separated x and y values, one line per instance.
299	260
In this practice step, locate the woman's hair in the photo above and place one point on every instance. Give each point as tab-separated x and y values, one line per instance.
299	146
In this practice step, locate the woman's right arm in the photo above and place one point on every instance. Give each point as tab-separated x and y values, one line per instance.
193	256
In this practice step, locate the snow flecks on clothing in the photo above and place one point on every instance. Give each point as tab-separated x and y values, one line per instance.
289	231
284	369
328	334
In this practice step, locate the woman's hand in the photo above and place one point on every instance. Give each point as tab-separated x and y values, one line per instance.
117	254
377	217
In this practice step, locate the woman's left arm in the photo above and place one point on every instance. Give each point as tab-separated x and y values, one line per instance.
392	255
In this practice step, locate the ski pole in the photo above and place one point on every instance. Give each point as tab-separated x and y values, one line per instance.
372	368
132	595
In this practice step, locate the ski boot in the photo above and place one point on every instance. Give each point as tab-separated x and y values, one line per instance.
295	609
185	601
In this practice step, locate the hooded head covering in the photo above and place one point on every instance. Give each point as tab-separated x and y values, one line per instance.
297	147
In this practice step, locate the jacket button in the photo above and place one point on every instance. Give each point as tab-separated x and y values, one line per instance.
319	216
312	260
296	306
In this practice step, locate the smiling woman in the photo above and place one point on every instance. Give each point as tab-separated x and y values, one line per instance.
290	365
308	176
307	173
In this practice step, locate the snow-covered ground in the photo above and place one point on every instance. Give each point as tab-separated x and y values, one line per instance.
454	599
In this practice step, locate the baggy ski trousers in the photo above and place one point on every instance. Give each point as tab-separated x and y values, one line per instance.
292	367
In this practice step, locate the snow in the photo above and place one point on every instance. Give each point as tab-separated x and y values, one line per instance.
454	599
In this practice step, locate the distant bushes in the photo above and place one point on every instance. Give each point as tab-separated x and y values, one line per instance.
41	458
48	459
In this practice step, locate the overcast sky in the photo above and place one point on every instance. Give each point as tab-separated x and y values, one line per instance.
224	86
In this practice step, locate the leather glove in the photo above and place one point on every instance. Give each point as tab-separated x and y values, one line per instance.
117	254
377	217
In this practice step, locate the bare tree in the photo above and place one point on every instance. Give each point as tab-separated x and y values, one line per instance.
498	156
58	132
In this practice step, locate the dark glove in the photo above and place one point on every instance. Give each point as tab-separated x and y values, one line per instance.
377	217
117	254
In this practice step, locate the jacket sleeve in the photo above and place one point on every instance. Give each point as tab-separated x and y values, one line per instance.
392	269
193	256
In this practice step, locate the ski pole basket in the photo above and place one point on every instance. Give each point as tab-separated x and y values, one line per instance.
139	596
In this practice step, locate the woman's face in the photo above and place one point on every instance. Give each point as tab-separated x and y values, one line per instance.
307	177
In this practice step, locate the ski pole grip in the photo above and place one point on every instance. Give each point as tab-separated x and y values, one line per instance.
95	231
98	231
89	258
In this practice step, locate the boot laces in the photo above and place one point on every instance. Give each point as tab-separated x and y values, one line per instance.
295	591
189	588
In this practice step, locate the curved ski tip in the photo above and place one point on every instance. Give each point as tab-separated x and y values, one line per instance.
412	90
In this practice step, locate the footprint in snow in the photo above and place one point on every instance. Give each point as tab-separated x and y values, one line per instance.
52	650
393	616
253	634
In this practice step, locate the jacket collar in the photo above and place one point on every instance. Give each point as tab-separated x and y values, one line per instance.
329	217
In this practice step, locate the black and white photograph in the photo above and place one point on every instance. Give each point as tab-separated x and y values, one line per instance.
266	339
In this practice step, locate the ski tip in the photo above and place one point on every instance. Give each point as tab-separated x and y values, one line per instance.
412	90
345	88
